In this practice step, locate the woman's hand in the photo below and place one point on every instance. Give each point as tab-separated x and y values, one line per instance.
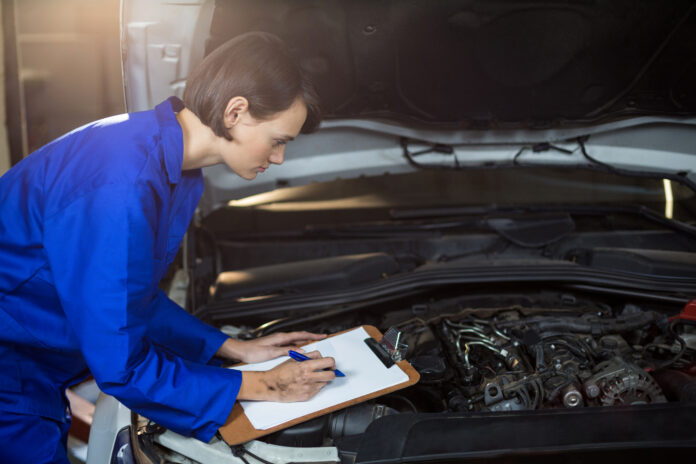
288	382
265	348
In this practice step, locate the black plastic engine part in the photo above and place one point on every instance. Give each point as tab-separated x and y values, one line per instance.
310	433
457	402
639	261
429	367
356	419
348	448
323	274
676	385
535	231
347	422
477	437
595	326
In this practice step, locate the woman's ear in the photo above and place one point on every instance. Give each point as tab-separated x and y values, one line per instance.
234	110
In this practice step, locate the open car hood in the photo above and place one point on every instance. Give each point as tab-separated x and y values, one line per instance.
475	63
482	64
465	73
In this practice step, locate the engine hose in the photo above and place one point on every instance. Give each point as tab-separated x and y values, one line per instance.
593	326
538	393
524	394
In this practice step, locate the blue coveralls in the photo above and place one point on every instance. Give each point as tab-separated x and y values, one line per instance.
88	226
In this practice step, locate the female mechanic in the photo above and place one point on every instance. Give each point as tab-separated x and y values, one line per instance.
90	223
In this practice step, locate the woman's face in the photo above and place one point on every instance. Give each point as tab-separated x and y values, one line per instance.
256	144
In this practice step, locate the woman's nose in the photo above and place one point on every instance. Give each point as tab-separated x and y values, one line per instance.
277	156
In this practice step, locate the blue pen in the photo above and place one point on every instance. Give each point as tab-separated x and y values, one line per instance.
299	357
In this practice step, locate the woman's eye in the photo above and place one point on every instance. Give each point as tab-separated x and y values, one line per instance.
278	143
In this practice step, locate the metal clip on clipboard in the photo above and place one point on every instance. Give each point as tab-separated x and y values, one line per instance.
389	349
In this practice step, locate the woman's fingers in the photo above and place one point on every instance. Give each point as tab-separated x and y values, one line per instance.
324	376
299	381
314	355
319	363
294	338
274	352
278	344
304	335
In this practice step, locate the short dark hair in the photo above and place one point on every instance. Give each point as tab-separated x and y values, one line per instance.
257	66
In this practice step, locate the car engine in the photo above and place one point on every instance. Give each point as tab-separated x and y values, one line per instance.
518	358
507	362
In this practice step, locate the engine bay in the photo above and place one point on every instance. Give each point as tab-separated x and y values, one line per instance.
543	352
543	368
549	326
554	362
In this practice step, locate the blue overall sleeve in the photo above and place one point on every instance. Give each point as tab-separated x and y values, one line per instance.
105	258
181	333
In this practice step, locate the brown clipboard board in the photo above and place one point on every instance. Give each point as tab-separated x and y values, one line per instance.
239	430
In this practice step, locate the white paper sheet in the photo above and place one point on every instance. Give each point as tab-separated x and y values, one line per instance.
364	372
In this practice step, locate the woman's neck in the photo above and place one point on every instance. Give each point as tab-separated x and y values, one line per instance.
199	142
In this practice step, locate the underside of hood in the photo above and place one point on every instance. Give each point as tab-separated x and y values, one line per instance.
482	81
482	64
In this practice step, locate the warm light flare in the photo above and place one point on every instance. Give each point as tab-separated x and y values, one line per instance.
669	199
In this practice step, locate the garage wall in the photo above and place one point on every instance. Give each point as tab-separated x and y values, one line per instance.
69	65
4	148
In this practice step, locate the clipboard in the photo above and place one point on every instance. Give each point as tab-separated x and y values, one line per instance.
238	429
